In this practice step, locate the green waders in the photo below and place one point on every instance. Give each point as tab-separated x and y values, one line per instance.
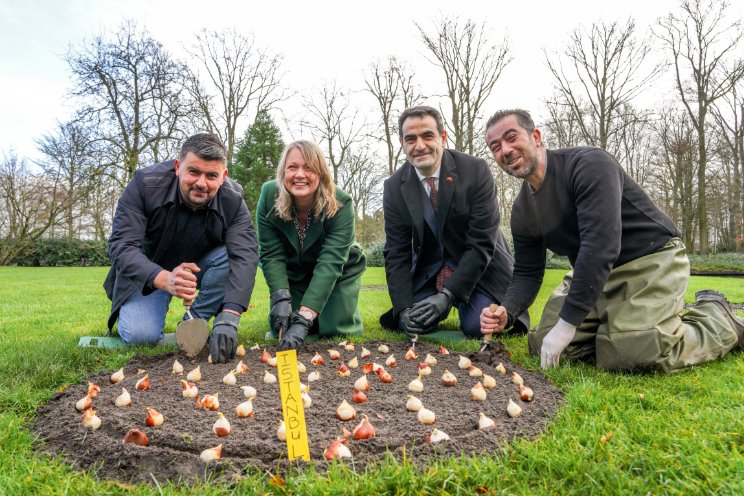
636	323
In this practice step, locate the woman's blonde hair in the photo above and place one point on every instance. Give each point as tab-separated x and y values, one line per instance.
325	196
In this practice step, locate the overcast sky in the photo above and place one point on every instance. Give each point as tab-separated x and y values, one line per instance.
320	40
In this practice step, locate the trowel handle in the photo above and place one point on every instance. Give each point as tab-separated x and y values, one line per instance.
487	338
187	303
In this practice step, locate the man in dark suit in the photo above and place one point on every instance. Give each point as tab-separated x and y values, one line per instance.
443	245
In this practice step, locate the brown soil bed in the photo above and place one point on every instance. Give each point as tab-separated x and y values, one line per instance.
173	452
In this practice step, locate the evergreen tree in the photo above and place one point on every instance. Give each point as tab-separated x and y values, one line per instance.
256	157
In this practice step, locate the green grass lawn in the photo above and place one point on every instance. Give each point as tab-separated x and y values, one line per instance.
671	434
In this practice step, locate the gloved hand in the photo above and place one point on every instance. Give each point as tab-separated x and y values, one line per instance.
295	335
425	313
555	342
224	339
281	307
407	325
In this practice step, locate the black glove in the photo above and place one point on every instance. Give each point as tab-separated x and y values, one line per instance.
425	313
281	307
224	339
295	335
407	325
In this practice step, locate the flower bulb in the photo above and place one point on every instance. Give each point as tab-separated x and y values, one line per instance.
513	409
413	404
177	367
117	376
221	427
124	399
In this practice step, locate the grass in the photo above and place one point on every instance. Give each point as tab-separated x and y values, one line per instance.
670	434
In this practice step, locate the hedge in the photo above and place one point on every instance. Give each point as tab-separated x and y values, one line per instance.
63	252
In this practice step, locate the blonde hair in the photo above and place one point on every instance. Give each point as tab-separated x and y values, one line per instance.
325	195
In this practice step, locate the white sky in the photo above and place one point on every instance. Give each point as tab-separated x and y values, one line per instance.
320	40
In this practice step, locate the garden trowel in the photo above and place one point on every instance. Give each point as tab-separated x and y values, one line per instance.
191	333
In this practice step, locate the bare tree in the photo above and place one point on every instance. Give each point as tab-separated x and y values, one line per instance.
634	143
241	78
131	92
393	88
704	46
362	177
603	71
562	125
471	65
334	124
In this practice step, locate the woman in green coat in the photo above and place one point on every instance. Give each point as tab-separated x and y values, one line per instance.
307	250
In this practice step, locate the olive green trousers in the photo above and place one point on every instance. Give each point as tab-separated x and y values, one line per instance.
636	323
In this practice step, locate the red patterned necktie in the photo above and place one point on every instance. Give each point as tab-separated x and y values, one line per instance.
445	272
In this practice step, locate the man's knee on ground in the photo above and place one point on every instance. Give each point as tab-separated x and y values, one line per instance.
144	334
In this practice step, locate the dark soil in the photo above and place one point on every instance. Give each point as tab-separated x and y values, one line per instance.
173	452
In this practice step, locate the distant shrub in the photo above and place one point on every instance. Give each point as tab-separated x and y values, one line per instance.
374	255
60	252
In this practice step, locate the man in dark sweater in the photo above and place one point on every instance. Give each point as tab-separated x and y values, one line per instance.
180	226
619	306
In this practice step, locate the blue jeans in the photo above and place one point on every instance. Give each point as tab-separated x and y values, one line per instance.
469	311
142	318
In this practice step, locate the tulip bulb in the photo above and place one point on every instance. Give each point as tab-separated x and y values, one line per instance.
265	356
448	378
430	360
501	369
464	363
272	362
210	454
343	370
307	401
334	354
485	423
437	436
474	371
526	393
368	367
416	386
313	376
143	384
426	416
91	419
93	389
342	343
362	384
443	351
209	402
386	377
221	427
488	381
517	379
117	376
195	375
136	436
424	369
345	411
301	368
391	361
365	352
249	391
364	430
349	346
240	351
281	431
478	392
411	354
84	403
244	409
337	450
177	367
317	359
413	404
269	378
513	409
358	396
229	379
241	368
154	417
255	347
353	363
189	389
383	348
123	399
304	388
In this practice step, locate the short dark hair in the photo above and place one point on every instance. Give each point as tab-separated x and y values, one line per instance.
420	111
206	146
523	117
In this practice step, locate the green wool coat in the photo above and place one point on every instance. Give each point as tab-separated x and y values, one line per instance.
325	274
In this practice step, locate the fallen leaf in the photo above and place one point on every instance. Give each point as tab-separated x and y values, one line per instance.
277	481
606	438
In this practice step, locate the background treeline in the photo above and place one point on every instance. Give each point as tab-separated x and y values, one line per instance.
136	102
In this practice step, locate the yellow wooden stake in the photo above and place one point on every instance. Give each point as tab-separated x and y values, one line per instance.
294	414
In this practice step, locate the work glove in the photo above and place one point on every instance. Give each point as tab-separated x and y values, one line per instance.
281	307
407	325
224	339
425	313
295	334
555	342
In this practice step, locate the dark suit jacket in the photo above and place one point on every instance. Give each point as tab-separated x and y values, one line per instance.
468	222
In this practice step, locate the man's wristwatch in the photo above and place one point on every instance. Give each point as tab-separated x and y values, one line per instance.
307	314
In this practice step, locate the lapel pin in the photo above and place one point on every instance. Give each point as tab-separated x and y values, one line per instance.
450	179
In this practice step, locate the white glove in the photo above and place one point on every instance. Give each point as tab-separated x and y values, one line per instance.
555	342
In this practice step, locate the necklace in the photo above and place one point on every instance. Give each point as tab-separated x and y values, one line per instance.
301	228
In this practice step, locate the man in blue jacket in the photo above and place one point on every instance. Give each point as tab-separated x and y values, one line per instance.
180	226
